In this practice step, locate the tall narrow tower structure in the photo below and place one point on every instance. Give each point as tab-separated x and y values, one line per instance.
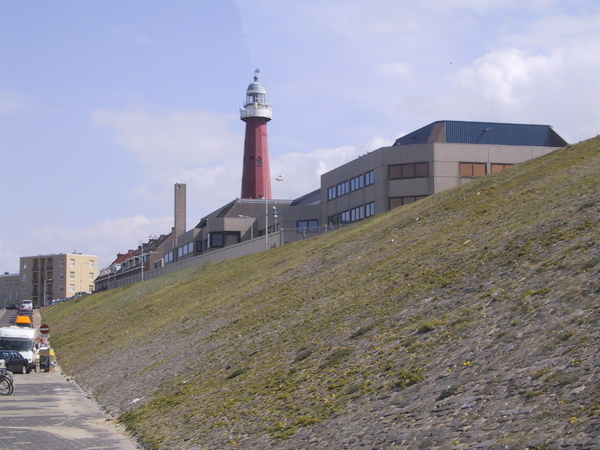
256	182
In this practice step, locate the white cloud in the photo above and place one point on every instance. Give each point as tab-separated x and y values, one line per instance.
199	148
104	239
11	102
401	69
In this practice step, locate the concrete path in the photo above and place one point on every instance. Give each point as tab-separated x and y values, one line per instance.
48	411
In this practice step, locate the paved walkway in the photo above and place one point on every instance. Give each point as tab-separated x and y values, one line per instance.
48	411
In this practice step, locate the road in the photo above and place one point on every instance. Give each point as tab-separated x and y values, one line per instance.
49	411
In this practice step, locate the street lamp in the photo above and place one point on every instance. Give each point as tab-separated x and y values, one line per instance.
279	178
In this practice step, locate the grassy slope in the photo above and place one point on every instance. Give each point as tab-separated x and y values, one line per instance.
274	345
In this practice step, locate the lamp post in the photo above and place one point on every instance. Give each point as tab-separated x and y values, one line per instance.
279	178
251	225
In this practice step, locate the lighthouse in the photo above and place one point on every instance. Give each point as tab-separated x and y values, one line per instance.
256	182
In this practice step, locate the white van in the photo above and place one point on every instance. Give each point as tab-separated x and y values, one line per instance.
22	340
27	304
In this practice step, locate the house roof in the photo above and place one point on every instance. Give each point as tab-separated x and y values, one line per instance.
492	133
312	198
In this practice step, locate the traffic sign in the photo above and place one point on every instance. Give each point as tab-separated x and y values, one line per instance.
45	329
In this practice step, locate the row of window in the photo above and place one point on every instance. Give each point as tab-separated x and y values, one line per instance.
416	170
352	215
401	201
412	170
474	170
354	184
310	226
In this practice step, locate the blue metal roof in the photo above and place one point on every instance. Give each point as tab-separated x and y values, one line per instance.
492	133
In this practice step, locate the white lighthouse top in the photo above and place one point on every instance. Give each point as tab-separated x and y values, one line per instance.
256	100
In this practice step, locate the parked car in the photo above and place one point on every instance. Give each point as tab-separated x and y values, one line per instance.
25	311
14	361
12	306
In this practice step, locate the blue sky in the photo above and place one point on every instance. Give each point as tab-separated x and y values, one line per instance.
106	104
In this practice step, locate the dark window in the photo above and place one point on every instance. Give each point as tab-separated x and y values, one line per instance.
232	237
199	246
400	201
414	170
311	226
216	240
369	178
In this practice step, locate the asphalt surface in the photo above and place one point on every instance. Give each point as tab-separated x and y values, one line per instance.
49	411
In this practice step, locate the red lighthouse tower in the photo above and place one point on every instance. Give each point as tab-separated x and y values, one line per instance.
256	178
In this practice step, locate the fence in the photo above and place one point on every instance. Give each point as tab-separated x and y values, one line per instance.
256	245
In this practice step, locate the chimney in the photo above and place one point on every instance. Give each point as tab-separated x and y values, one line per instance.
180	213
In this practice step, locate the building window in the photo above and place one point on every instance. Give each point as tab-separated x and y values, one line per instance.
400	201
311	226
472	170
91	264
370	209
343	188
24	278
344	217
72	288
199	246
357	213
369	178
331	193
222	239
415	170
24	265
498	167
61	263
357	183
71	275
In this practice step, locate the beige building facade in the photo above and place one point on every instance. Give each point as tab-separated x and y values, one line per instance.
9	289
45	278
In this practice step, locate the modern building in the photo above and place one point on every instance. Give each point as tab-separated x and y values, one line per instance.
432	159
256	177
44	278
9	289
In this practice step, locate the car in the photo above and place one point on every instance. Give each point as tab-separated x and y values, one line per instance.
14	361
25	311
27	304
12	306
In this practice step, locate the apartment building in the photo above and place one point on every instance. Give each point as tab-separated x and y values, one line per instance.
44	278
9	289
